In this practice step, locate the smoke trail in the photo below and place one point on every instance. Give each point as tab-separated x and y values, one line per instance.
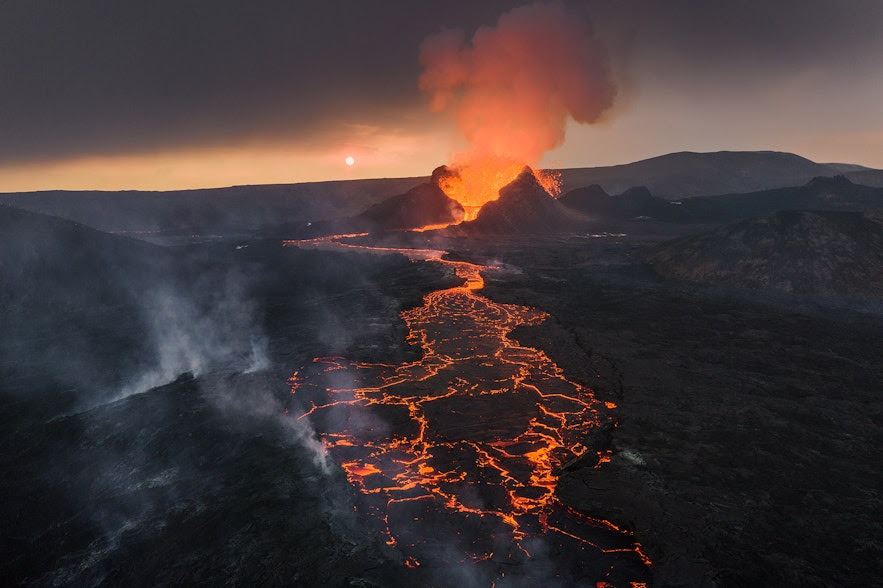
514	86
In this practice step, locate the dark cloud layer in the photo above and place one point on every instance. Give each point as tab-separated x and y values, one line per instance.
107	75
103	77
748	37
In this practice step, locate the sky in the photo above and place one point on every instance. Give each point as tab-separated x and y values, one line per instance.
174	94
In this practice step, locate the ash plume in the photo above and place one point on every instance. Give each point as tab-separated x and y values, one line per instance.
512	87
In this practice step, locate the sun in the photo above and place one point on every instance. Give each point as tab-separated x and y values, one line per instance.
350	160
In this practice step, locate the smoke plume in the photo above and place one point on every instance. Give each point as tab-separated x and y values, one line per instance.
513	87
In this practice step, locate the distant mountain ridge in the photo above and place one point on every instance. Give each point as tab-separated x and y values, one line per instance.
685	174
237	208
820	193
867	177
845	168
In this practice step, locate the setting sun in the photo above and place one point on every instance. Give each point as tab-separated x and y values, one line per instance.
350	160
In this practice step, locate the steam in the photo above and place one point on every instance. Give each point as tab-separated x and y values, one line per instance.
214	326
262	409
195	334
514	86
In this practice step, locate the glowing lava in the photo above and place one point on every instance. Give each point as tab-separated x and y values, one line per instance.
456	454
478	182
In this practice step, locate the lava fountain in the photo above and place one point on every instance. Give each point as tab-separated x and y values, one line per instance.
456	454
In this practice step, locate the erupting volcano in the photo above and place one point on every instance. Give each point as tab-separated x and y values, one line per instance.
511	91
475	185
456	454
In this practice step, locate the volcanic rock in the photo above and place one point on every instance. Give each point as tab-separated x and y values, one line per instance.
633	203
524	206
599	440
585	197
747	450
825	253
422	205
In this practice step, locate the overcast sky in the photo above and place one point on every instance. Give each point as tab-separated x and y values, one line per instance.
165	94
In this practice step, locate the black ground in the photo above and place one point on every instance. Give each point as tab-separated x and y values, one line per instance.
750	435
747	452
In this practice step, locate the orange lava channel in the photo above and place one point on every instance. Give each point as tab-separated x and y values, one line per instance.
474	430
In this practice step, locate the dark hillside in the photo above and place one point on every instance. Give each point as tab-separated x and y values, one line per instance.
825	253
821	193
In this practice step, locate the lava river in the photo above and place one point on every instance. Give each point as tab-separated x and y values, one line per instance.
456	455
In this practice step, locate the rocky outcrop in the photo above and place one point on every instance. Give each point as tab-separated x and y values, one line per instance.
420	206
585	198
634	203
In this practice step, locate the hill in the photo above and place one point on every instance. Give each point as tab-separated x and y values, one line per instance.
81	263
634	203
867	177
420	206
806	252
820	193
70	298
680	175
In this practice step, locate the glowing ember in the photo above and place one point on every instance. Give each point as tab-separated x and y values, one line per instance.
462	447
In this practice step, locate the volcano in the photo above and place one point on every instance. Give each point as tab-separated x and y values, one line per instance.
524	206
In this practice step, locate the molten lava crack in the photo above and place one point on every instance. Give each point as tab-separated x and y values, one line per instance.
463	445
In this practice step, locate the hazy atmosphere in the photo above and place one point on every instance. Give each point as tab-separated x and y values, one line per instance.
164	95
468	294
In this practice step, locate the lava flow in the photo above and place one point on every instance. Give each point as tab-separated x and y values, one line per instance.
456	454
